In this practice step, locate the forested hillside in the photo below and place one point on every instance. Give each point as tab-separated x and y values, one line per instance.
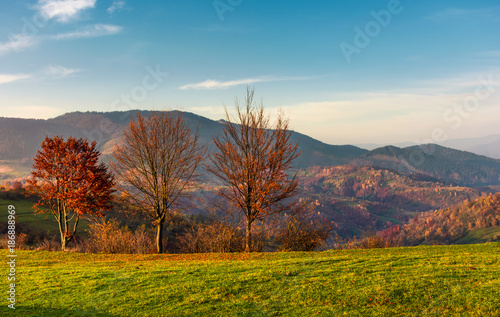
477	219
369	198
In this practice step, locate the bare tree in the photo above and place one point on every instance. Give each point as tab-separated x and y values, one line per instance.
252	162
156	164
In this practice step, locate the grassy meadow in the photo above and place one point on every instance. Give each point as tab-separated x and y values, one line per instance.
460	280
36	223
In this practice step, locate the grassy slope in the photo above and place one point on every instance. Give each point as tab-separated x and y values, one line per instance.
35	223
420	281
480	235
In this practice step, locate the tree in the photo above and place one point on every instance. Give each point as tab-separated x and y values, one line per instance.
156	164
252	162
70	182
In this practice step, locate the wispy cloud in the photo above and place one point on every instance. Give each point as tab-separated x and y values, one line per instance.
457	83
90	31
215	84
59	71
448	12
460	13
63	10
116	6
8	78
17	43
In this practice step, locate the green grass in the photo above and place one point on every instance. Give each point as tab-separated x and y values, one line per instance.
36	223
480	235
420	281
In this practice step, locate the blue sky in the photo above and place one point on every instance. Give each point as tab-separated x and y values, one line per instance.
344	71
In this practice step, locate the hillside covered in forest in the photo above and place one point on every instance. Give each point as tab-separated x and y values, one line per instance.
367	198
475	220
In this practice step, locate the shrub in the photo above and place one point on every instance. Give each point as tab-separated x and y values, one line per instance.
21	241
109	237
214	237
48	244
303	229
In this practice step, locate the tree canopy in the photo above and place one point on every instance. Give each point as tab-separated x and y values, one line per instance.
70	182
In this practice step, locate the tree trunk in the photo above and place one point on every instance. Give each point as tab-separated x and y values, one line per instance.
60	222
159	236
248	243
63	242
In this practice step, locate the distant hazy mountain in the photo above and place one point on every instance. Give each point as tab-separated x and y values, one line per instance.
487	146
373	146
455	166
21	138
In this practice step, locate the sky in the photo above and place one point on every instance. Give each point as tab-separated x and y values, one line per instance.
345	72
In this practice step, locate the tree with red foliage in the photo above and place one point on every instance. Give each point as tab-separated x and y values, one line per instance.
70	182
252	162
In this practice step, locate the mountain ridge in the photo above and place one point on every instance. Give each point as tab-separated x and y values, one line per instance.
21	138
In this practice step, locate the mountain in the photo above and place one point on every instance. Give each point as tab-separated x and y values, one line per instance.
21	138
446	164
487	145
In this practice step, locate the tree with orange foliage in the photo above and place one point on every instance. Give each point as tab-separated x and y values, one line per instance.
252	162
156	164
70	182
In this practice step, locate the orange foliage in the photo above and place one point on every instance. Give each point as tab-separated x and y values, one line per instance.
70	182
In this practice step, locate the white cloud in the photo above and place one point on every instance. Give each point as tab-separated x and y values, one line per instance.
215	84
63	10
116	6
8	78
59	71
17	43
90	31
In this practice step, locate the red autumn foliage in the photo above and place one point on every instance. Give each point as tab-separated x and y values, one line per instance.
70	182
